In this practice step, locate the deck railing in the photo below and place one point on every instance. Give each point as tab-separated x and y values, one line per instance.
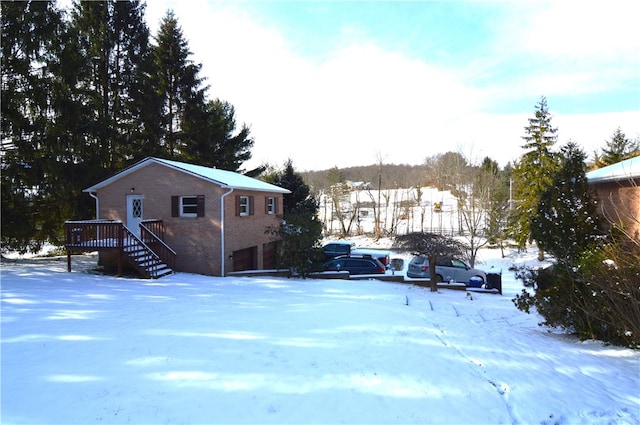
155	226
151	234
96	234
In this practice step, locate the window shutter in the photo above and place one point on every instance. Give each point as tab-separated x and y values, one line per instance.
276	204
175	206
200	205
237	204
250	205
266	205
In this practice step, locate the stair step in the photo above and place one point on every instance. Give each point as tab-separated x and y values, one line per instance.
165	272
145	260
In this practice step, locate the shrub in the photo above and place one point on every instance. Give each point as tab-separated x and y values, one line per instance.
598	298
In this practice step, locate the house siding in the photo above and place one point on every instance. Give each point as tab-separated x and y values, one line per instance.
196	240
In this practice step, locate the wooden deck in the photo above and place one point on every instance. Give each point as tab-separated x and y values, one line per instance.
148	253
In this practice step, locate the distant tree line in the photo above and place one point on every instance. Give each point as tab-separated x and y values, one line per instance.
86	93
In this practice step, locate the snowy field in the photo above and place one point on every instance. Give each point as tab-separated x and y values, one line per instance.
187	349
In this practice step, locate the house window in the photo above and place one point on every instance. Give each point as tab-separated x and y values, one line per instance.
244	205
187	206
271	205
136	208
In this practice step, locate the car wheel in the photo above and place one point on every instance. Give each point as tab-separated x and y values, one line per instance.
438	278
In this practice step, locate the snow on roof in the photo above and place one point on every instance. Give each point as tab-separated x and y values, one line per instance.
224	178
627	169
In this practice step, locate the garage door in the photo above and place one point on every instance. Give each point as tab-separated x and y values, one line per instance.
269	251
245	259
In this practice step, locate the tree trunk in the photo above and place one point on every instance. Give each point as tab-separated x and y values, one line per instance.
433	278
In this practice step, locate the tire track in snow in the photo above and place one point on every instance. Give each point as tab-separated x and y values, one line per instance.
501	388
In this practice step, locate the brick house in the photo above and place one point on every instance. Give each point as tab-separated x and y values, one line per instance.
617	188
202	220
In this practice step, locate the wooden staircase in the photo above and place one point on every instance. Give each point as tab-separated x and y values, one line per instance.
143	258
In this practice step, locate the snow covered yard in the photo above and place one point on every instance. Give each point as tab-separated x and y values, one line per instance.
84	348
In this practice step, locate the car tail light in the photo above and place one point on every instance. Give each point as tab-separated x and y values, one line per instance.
380	269
425	267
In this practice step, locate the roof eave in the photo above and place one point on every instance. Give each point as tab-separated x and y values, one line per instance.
143	163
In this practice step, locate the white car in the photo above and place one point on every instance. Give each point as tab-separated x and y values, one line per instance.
446	271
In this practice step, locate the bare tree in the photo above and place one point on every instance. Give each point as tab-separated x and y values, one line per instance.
344	209
475	204
433	246
376	211
447	170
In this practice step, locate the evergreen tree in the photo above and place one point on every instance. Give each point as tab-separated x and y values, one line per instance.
592	287
498	206
301	231
617	149
533	174
113	40
180	88
31	48
566	222
214	141
86	96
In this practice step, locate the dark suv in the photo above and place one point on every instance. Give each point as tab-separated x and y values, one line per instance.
355	264
334	249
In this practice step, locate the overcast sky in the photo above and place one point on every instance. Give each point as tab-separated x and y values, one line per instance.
345	83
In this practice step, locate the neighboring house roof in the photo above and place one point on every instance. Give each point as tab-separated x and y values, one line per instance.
224	178
357	185
623	170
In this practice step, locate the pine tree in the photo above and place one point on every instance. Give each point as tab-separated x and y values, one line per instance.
113	40
533	174
180	88
566	222
31	49
617	149
300	231
213	140
497	209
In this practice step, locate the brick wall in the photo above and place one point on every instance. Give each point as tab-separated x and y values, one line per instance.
196	240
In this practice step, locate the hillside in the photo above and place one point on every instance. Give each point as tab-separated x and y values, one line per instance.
389	175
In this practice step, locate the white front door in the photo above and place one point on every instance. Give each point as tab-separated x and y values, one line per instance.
134	213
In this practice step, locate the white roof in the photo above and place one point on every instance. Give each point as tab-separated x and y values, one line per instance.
623	170
224	178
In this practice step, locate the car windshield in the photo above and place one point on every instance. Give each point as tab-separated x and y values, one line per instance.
419	260
459	264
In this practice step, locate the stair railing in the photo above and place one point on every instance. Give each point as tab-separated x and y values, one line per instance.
130	236
156	244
